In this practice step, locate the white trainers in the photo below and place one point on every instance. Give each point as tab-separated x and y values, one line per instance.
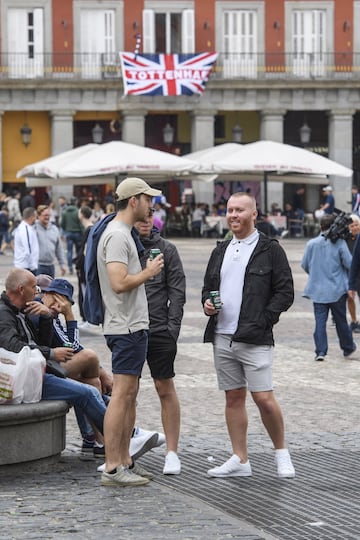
123	477
142	441
231	467
172	463
285	468
161	439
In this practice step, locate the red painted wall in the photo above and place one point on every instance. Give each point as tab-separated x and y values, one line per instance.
63	32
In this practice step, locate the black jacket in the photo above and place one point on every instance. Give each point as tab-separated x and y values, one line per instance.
12	333
166	291
268	290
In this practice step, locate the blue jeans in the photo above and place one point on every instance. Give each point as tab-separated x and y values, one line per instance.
72	239
82	396
85	427
338	310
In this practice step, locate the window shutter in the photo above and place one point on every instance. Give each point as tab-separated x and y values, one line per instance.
188	31
17	31
38	31
148	31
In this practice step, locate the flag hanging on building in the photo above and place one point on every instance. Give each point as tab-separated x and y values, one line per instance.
165	74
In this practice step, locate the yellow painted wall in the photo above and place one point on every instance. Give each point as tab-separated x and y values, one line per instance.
14	154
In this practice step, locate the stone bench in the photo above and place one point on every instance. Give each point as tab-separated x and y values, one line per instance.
31	434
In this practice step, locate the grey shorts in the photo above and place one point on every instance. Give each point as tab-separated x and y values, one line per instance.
243	365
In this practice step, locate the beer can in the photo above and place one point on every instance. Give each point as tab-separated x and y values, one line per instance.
154	253
215	299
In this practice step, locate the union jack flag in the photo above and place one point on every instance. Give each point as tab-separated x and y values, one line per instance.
165	74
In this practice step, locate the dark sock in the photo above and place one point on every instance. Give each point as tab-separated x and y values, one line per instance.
112	472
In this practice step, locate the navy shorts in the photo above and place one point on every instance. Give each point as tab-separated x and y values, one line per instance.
161	355
128	352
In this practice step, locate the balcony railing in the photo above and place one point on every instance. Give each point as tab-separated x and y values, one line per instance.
236	66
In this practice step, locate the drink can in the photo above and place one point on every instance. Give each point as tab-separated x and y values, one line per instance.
215	299
67	344
154	253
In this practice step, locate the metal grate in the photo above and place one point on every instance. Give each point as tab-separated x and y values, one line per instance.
322	502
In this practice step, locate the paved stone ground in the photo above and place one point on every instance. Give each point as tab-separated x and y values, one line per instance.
320	402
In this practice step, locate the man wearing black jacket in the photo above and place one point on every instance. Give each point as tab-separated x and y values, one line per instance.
254	279
166	298
17	304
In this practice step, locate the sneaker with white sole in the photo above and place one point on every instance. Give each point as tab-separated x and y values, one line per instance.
285	468
123	477
172	463
161	439
140	471
142	441
231	467
139	432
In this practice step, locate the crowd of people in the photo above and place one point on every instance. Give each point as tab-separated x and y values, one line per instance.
143	297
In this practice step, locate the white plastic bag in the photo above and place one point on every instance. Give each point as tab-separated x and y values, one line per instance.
34	378
13	373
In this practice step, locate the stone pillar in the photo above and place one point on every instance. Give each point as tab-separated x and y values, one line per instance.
133	127
340	150
272	129
62	139
202	136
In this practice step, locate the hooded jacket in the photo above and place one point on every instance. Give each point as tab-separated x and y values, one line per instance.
268	291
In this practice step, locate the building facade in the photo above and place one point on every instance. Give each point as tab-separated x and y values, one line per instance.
284	66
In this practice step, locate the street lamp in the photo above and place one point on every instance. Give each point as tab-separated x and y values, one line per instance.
305	133
97	134
237	132
168	134
25	132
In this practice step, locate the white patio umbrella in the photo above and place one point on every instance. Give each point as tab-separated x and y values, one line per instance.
101	163
50	166
288	163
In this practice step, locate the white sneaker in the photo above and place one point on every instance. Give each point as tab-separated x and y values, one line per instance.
161	439
231	467
142	441
285	467
172	463
123	477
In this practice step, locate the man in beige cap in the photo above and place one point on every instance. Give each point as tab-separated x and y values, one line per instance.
126	324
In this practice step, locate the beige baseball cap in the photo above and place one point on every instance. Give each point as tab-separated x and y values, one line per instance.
134	186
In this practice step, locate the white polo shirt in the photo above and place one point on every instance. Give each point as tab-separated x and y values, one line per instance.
232	275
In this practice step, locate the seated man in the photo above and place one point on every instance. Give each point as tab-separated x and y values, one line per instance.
17	305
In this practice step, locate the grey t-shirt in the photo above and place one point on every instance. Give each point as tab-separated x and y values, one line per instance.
128	311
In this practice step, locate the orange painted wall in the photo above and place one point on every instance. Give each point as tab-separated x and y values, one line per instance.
275	34
133	23
344	31
204	26
63	31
